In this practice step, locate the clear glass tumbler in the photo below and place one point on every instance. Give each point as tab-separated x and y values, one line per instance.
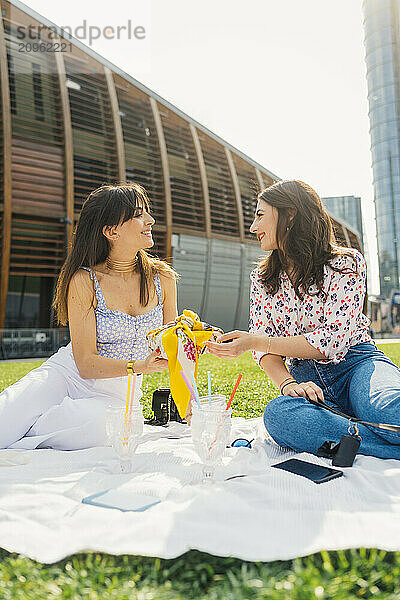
124	434
211	428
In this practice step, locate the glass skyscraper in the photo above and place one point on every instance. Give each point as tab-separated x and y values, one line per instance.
382	45
346	208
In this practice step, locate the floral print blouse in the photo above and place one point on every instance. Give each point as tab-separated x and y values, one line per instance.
331	325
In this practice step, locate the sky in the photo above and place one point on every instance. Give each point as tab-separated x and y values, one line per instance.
284	81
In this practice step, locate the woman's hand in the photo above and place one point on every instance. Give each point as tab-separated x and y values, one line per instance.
239	342
152	364
307	389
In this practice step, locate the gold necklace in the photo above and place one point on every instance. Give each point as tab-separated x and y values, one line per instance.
121	266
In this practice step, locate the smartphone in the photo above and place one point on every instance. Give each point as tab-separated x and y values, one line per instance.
315	473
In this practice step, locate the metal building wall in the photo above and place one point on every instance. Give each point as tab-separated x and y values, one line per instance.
215	278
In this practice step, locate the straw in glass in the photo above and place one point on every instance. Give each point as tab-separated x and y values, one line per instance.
196	391
190	388
129	405
234	391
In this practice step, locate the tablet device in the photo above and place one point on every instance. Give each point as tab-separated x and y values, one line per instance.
311	471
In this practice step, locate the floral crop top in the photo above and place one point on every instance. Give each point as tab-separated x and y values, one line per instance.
120	335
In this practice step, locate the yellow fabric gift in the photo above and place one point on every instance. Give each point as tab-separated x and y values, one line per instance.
182	342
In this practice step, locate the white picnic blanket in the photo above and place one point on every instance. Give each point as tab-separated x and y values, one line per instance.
267	515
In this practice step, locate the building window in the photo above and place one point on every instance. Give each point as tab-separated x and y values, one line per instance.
37	91
11	79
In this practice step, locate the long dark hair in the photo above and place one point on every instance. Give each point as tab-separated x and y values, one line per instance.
108	205
304	236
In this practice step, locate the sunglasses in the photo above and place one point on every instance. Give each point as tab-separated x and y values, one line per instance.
242	443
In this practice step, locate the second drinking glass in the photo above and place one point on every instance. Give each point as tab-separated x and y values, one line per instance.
211	428
124	434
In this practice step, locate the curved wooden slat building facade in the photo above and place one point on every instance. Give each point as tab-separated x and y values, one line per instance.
71	121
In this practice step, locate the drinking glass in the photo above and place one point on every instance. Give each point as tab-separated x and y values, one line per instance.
211	427
124	434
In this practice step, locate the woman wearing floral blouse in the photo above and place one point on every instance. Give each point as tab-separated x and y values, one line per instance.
306	304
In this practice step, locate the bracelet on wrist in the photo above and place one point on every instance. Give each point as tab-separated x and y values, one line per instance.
268	346
286	382
130	367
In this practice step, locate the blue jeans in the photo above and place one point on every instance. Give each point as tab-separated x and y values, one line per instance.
365	384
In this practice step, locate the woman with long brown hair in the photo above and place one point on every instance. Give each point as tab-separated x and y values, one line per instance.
111	292
309	334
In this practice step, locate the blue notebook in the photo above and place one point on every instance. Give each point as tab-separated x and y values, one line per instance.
124	500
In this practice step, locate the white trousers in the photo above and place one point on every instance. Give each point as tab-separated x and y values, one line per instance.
53	407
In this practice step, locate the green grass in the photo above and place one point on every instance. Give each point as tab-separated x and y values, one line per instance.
338	575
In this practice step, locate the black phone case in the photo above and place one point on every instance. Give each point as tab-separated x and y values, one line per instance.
310	471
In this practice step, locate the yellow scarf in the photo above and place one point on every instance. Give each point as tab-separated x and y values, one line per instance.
191	340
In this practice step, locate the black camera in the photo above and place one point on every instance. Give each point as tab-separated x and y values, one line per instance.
164	408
